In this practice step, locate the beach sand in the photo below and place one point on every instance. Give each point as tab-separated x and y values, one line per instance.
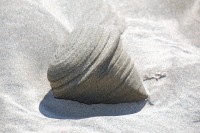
160	36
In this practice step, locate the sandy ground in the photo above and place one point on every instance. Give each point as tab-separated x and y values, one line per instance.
160	36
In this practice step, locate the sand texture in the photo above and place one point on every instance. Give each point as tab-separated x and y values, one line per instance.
161	37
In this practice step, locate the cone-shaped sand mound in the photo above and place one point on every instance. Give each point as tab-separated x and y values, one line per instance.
92	68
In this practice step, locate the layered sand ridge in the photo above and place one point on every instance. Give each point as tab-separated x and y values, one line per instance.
92	67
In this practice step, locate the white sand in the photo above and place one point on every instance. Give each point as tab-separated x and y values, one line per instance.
159	35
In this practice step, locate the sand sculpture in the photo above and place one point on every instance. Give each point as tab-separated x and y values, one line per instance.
92	67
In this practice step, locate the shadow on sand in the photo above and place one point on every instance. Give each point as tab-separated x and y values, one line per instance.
66	109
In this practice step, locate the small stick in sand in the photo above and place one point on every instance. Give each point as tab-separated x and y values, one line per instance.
149	101
155	76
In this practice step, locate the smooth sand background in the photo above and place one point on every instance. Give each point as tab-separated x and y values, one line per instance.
159	35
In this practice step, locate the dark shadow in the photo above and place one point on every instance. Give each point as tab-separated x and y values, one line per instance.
66	109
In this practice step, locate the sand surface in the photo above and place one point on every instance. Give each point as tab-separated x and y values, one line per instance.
160	36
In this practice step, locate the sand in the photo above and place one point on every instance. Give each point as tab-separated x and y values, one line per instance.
160	36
